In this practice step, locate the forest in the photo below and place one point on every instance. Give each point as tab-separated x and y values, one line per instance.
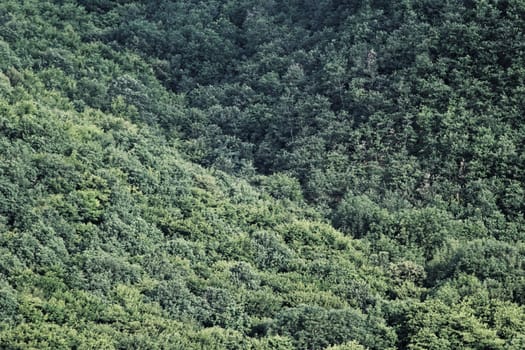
242	174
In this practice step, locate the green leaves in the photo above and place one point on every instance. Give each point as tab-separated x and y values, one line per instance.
398	122
318	328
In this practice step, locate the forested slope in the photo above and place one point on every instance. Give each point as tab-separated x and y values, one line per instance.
262	175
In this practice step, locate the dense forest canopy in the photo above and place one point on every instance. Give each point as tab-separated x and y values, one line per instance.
240	174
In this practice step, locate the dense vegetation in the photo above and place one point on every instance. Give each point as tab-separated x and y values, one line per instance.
243	174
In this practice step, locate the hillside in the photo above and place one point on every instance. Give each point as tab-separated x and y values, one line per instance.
241	174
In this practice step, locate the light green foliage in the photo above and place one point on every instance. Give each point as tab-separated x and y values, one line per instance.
262	175
353	345
358	215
